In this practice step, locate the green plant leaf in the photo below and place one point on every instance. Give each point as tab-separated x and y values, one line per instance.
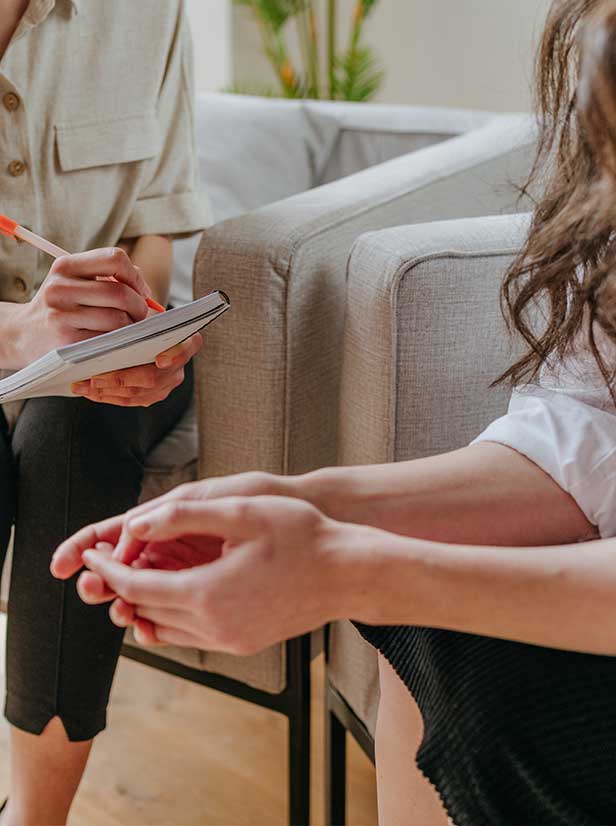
275	13
354	75
359	75
368	6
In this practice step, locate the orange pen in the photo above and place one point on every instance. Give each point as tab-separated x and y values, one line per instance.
13	230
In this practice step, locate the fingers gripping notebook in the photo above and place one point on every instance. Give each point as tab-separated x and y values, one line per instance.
139	343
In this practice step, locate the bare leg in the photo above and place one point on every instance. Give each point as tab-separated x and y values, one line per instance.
405	796
45	775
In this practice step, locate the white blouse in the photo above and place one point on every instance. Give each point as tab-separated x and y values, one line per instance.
566	425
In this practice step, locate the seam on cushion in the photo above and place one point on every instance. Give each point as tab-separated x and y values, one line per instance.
406	132
400	275
286	441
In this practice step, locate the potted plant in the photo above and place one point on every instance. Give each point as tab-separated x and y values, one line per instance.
325	71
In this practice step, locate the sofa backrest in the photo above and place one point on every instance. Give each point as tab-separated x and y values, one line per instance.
368	135
257	151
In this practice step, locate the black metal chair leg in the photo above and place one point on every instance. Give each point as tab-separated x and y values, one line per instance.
336	771
299	766
298	712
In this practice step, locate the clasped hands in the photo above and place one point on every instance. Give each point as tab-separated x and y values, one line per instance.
233	564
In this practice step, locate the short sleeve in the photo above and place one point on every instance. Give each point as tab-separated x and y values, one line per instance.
567	426
171	202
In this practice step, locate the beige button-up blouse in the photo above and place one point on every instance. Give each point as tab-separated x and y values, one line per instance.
96	130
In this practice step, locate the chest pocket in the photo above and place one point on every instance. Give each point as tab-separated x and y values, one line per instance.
107	143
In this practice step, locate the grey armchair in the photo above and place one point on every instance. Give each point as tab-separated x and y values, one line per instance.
425	333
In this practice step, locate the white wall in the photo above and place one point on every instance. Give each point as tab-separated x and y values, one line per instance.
469	53
212	34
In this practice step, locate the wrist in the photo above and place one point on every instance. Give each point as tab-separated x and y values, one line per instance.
330	490
379	578
354	564
12	323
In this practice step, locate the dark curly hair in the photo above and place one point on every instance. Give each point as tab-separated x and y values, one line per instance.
563	283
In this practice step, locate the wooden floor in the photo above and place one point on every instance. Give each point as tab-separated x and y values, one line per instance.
177	754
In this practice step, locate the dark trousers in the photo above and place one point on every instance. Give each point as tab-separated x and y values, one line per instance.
68	463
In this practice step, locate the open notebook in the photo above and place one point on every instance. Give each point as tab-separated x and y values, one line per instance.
139	343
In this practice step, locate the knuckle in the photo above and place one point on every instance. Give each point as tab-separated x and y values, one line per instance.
122	319
117	256
55	317
173	511
258	481
185	589
183	491
239	509
66	336
124	295
61	264
53	293
203	601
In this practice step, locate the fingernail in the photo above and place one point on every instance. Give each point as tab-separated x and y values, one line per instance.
140	526
164	362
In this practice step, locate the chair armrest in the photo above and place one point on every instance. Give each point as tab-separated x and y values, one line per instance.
269	379
425	338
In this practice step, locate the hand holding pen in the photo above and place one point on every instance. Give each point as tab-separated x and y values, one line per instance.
12	229
83	296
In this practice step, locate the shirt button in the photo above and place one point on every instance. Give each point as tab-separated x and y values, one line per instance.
16	168
20	285
11	101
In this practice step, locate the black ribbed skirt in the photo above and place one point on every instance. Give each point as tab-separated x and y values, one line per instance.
515	735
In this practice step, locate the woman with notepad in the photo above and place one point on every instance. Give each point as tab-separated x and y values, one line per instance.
96	137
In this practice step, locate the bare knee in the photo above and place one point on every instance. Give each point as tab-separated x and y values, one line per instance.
405	796
397	708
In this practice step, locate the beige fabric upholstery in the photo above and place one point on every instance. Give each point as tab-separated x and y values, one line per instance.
424	332
270	374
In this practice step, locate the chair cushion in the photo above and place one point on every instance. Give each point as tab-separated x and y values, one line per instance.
179	448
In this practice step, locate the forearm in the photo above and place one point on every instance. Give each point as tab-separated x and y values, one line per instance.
153	254
485	494
560	597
